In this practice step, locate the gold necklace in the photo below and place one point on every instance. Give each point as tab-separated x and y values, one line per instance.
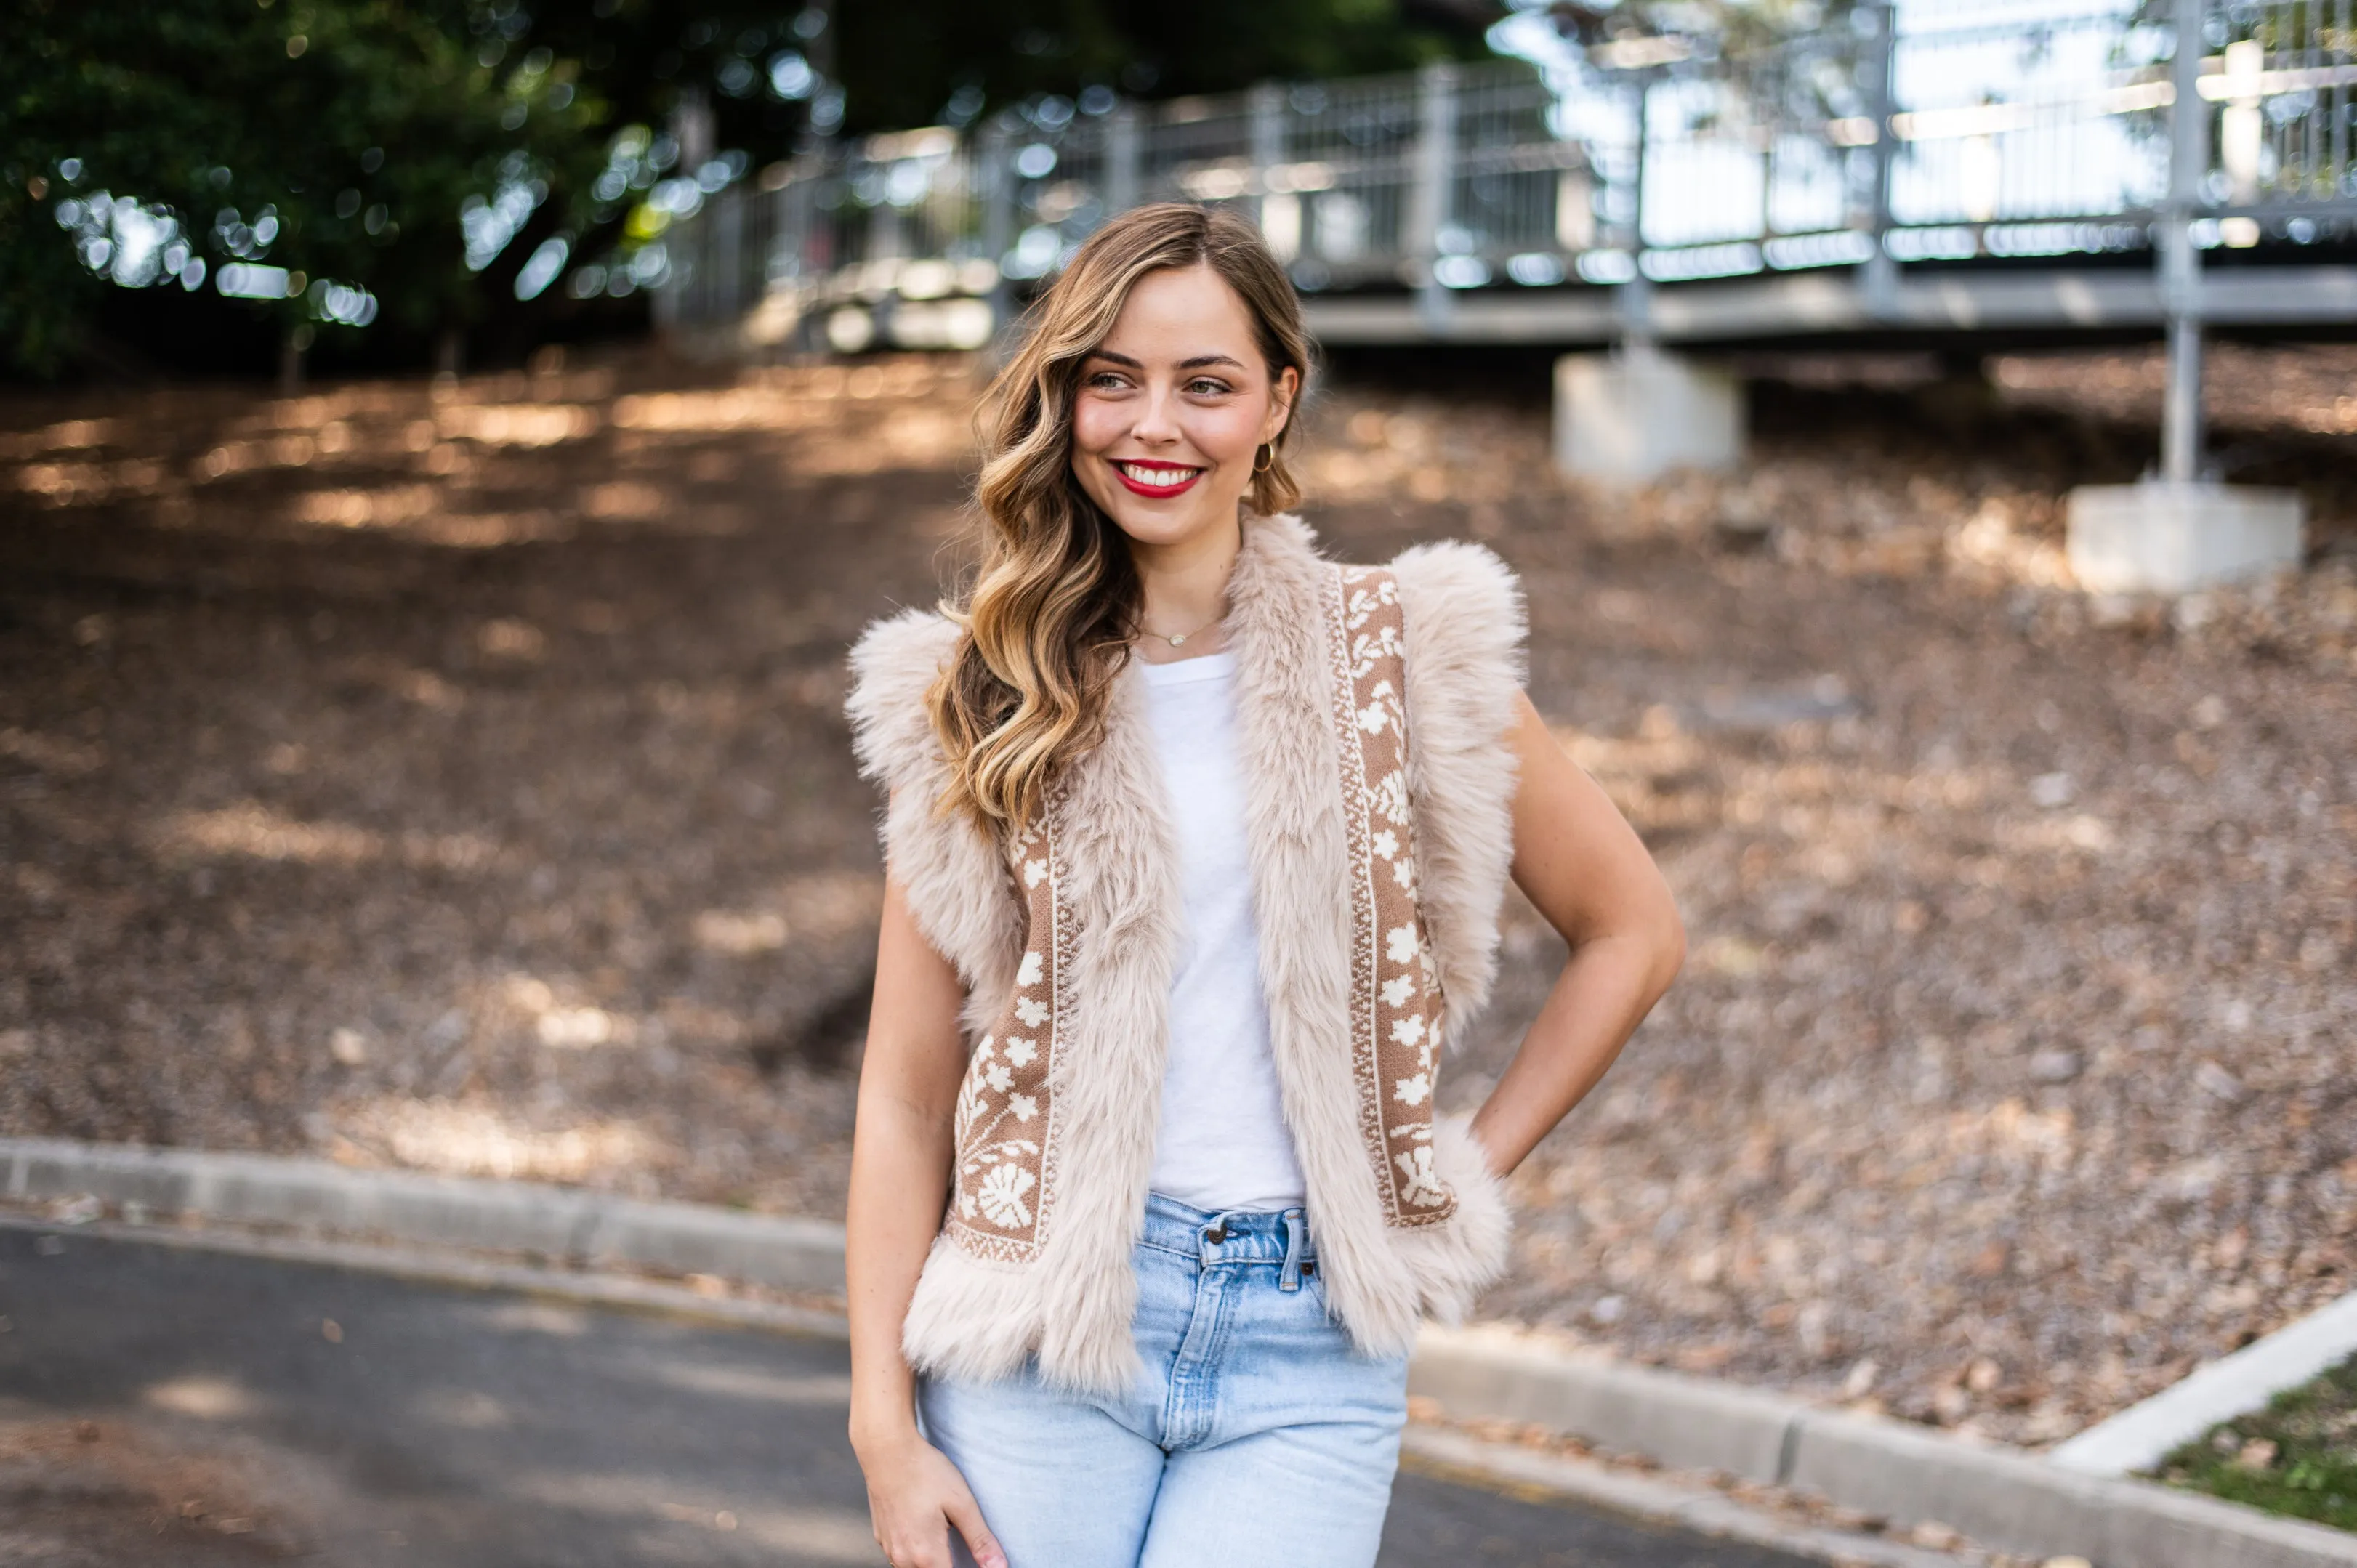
1179	640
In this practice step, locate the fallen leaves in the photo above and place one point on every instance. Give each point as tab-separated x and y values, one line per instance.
2019	1012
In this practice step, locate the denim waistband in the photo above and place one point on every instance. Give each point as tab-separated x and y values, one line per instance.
1232	1235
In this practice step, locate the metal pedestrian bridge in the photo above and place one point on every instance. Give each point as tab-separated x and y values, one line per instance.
1925	170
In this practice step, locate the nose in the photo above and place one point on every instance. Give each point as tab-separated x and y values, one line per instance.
1156	424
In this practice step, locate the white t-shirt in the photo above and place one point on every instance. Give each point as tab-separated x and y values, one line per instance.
1223	1142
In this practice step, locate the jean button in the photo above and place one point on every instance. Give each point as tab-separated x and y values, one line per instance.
1216	1234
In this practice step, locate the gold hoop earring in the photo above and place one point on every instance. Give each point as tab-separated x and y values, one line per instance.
1260	467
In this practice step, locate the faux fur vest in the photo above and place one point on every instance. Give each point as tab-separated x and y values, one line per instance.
1372	711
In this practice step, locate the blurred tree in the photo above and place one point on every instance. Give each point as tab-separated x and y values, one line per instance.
372	149
1736	25
419	166
927	60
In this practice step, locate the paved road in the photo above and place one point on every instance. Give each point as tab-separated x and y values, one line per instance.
160	1405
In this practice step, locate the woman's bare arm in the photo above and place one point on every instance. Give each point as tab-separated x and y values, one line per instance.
1584	868
901	1156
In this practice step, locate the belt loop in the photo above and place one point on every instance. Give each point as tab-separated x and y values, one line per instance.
1297	1236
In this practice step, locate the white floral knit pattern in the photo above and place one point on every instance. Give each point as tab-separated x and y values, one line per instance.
1005	1127
1394	982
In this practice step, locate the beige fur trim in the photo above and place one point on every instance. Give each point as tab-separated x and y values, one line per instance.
1453	1264
958	884
1464	624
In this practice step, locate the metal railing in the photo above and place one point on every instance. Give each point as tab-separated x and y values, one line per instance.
1922	133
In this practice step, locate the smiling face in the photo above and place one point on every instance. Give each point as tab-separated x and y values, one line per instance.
1172	409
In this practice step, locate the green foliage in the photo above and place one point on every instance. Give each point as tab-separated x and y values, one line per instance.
336	138
2298	1457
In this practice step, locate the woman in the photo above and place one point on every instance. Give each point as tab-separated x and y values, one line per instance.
1194	848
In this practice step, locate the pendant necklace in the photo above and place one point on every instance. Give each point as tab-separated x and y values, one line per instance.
1179	640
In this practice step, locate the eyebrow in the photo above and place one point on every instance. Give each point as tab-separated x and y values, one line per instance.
1198	362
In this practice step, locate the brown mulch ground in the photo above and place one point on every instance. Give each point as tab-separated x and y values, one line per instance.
454	778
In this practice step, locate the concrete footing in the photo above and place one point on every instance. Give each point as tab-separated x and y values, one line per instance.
2161	537
1630	417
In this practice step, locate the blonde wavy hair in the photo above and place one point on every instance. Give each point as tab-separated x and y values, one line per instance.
1048	621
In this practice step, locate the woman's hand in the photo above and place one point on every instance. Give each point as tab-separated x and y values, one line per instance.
901	1157
915	1497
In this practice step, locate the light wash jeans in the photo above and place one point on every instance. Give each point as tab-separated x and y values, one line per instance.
1258	1435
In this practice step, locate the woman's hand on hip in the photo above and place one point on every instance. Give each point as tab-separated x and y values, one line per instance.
915	1498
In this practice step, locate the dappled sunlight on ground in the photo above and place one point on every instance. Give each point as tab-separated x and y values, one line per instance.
504	460
454	778
477	1140
253	829
2296	387
207	1398
2001	1083
2004	1078
448	801
188	1407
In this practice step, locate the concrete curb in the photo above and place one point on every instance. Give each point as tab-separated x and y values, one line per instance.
1687	1424
2140	1436
1651	1499
583	1229
2002	1497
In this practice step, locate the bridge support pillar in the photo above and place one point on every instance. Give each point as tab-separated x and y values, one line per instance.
2173	536
1628	417
2181	531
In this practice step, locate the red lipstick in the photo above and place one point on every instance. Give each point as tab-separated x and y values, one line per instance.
1157	492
